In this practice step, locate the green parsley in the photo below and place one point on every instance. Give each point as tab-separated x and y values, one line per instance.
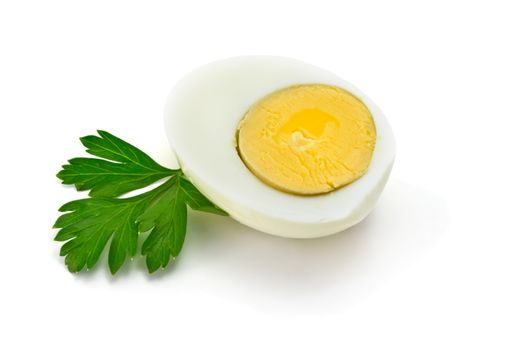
88	224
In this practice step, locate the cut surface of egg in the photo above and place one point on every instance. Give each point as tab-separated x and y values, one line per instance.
282	146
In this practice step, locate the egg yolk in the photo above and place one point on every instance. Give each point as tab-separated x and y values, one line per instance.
307	139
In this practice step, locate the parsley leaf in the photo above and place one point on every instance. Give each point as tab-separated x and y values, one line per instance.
167	231
124	168
87	225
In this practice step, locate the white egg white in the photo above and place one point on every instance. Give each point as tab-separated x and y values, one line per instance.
201	117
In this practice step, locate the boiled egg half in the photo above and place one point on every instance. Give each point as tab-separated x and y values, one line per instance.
284	147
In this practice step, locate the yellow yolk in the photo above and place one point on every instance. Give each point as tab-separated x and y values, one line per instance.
307	139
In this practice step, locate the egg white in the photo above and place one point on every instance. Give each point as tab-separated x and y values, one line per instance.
201	117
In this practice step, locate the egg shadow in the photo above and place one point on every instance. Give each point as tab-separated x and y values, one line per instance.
279	275
264	271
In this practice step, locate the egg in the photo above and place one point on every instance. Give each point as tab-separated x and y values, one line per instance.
282	146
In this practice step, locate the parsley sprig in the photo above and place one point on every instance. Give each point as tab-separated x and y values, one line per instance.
87	225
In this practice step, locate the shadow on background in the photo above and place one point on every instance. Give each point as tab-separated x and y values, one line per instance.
406	223
228	260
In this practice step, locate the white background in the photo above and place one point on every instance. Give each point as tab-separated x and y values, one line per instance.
440	262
